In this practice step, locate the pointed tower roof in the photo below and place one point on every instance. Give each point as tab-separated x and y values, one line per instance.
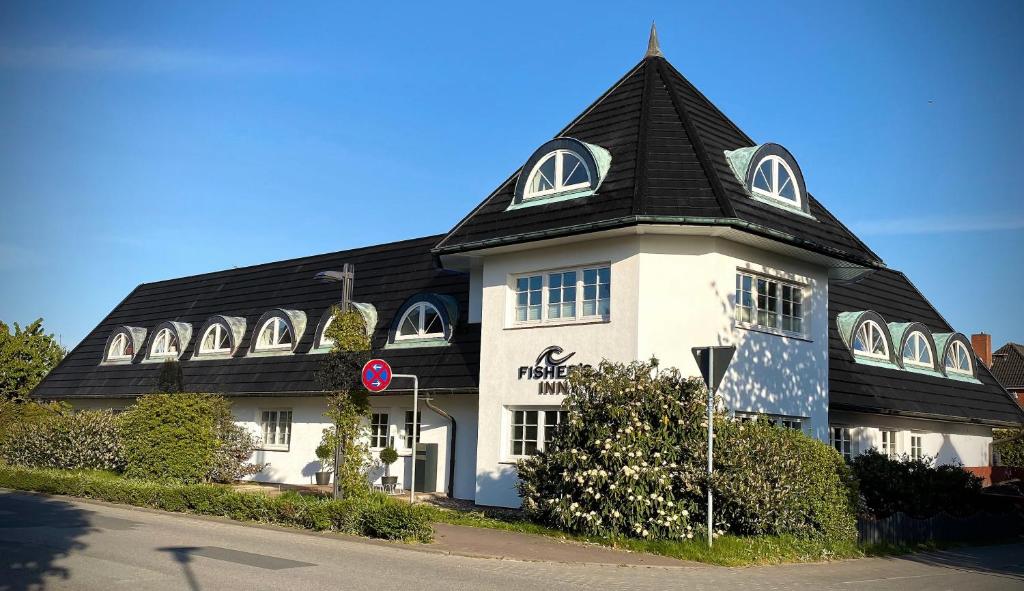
668	146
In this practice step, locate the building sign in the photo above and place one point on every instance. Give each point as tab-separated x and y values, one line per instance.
550	370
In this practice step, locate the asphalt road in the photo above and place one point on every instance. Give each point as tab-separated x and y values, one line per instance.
56	543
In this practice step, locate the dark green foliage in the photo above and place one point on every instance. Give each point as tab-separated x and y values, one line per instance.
26	356
388	456
914	487
185	437
171	379
87	439
631	460
1008	444
374	515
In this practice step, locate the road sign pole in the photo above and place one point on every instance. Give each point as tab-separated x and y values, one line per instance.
711	435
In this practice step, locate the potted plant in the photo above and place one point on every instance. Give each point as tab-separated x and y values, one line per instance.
388	456
325	453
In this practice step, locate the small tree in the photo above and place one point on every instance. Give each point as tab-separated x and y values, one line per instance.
349	404
26	356
388	456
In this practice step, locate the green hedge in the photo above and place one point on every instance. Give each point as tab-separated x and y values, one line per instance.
51	438
375	516
915	487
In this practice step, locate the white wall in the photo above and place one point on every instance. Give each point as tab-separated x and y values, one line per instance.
947	443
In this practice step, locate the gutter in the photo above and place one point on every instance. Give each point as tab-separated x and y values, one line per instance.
660	219
922	415
254	393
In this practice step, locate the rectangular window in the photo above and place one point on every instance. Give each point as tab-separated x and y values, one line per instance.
789	422
379	430
409	426
842	440
552	419
562	295
915	447
567	294
524	432
276	429
528	298
889	444
769	303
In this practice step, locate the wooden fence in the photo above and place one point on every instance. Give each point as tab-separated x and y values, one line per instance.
900	528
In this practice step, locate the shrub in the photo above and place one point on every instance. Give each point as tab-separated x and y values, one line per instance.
87	439
1009	446
630	459
185	437
914	487
373	515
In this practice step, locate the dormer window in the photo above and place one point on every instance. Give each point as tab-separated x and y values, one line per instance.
121	349
774	179
917	351
958	358
421	321
274	335
216	340
870	341
558	172
165	344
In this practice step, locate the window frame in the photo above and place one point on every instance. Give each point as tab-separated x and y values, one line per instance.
219	327
545	296
779	303
777	162
890	443
918	339
168	336
375	426
847	437
957	344
557	188
865	324
420	307
776	420
542	426
277	345
121	336
406	435
916	446
277	412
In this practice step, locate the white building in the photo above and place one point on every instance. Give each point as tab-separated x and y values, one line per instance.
649	225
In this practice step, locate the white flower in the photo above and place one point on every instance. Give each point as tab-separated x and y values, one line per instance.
686	513
616	514
612	486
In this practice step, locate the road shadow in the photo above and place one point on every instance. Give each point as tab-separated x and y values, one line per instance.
35	534
1004	560
183	556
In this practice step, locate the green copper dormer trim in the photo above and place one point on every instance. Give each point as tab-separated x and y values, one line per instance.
846	322
597	160
742	162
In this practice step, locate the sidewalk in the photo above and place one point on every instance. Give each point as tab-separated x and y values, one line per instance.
481	542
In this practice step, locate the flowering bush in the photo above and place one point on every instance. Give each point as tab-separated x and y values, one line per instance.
630	459
84	440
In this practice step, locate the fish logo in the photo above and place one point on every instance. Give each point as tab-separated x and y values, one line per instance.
549	356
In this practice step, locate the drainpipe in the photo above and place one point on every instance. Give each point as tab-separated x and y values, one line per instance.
429	402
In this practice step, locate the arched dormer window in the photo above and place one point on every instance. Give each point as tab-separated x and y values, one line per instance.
216	340
917	350
121	349
169	341
770	174
958	359
220	337
324	343
424	320
278	331
870	341
563	168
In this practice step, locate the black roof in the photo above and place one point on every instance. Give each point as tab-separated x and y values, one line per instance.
1008	365
386	276
861	387
668	143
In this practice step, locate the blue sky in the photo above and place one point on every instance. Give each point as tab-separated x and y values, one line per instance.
141	142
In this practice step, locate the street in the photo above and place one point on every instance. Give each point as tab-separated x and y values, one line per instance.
58	543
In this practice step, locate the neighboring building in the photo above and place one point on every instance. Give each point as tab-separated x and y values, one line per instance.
649	225
1008	367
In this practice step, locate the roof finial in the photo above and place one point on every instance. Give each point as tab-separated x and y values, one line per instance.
653	49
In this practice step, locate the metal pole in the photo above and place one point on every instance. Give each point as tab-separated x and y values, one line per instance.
711	435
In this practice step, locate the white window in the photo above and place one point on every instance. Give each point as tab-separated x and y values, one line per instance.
842	440
571	294
789	422
420	321
325	341
165	344
889	444
557	172
379	430
915	447
274	334
769	303
773	178
958	358
215	340
533	429
870	341
916	351
121	348
276	429
411	427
